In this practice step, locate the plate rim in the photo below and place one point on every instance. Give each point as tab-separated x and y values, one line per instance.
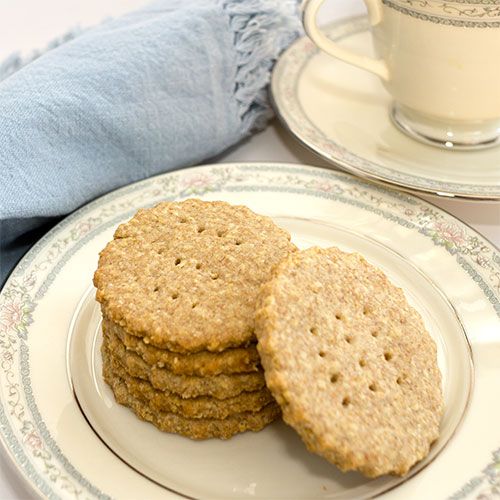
280	109
298	167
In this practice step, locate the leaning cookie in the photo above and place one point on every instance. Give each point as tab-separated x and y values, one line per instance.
350	362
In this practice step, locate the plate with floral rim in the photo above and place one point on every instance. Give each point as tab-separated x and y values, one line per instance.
63	431
342	113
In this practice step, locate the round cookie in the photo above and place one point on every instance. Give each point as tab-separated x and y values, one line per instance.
185	275
219	386
201	428
202	363
201	407
350	362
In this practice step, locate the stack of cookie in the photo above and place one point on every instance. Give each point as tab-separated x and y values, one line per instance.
178	287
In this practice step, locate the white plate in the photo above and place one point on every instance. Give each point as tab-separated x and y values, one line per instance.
67	436
342	113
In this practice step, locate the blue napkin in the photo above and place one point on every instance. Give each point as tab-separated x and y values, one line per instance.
163	87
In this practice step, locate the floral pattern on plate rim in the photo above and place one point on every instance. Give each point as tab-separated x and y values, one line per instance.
463	13
34	275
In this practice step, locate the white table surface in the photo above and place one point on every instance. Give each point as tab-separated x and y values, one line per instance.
26	25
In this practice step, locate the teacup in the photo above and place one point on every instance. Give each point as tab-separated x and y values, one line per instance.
440	61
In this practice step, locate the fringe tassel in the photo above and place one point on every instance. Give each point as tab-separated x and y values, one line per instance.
262	30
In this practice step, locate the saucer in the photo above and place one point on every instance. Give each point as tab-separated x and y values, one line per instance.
342	114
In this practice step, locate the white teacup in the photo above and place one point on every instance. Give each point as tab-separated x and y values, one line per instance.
440	61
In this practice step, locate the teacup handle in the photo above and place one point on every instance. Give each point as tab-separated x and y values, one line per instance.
376	66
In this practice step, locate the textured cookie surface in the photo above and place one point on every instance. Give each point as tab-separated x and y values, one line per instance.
201	428
218	386
201	407
350	362
202	363
185	275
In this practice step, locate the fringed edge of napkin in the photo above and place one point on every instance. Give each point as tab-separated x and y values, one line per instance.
252	21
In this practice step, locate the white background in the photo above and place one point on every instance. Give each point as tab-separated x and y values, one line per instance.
29	24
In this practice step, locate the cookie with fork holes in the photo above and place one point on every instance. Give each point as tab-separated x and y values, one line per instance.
350	362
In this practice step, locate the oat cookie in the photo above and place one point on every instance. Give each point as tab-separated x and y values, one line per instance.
350	362
201	407
185	275
201	428
202	363
219	386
